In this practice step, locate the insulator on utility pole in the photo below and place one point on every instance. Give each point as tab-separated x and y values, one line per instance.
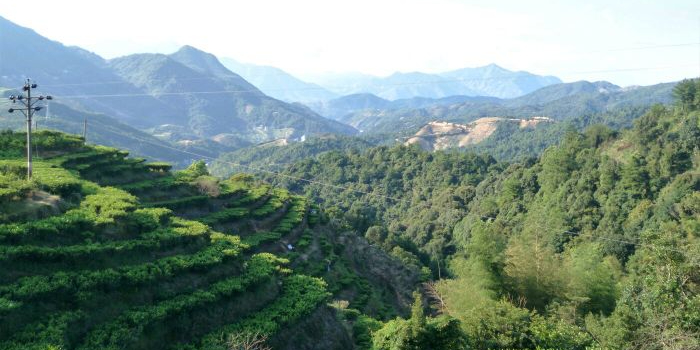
29	107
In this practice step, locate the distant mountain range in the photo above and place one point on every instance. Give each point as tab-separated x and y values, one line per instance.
496	81
341	107
189	91
559	102
490	80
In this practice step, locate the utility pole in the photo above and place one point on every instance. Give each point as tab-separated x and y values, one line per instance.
85	130
29	108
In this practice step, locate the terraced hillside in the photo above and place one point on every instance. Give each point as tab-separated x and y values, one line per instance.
102	251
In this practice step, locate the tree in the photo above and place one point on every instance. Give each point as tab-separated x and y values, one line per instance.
533	270
597	134
487	244
687	94
417	320
420	332
195	170
198	168
635	179
592	279
376	235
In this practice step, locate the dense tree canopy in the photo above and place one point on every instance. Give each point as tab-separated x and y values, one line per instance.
593	244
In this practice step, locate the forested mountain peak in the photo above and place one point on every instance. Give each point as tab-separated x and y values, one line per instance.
216	101
207	63
153	71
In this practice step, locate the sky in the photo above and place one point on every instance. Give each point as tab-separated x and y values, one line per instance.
626	42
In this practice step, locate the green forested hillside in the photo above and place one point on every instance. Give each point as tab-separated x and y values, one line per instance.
594	244
406	199
511	143
598	239
273	156
104	251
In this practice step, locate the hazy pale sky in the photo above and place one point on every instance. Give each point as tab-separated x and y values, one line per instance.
573	40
